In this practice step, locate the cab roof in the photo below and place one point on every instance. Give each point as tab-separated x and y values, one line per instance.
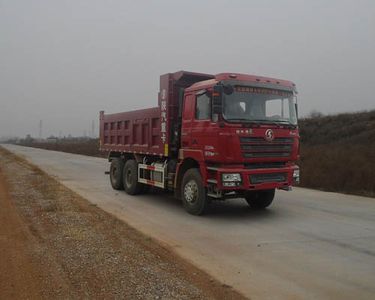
242	78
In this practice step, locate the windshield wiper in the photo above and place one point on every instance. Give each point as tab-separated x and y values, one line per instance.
282	121
262	121
253	121
267	122
285	122
243	120
276	122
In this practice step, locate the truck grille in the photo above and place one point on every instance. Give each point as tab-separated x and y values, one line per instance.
273	177
258	147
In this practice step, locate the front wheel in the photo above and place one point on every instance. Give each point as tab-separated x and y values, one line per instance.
260	199
194	196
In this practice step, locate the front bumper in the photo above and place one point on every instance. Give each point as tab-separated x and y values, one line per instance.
255	179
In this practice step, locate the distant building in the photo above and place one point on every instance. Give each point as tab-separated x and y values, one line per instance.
52	140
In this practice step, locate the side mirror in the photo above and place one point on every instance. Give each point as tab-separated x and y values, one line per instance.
228	89
217	99
296	106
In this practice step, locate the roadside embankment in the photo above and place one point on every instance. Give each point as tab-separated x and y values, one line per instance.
338	153
55	244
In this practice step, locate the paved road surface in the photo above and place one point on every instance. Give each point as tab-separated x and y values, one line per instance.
309	244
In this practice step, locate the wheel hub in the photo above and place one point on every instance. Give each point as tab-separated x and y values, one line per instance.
191	192
114	171
128	177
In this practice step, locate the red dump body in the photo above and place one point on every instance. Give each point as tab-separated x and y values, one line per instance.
147	131
134	131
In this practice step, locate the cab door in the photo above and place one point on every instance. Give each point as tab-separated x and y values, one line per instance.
204	132
201	120
187	117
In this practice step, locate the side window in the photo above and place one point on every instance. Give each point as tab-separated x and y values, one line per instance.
273	108
203	107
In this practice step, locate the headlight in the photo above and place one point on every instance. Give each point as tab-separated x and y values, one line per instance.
231	177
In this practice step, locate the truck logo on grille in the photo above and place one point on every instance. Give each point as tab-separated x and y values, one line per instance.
269	136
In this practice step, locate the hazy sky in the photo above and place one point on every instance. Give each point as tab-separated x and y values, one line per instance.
62	61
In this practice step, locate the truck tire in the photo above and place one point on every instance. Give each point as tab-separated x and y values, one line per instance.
260	199
194	196
130	178
115	173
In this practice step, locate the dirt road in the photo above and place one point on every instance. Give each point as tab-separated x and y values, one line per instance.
56	245
308	245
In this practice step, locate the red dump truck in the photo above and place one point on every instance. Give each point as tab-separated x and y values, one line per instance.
211	137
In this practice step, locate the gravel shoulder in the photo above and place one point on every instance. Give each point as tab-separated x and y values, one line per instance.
55	244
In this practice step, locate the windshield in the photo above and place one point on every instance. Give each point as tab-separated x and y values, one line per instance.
260	105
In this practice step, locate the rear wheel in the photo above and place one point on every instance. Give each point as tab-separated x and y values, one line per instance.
115	173
194	196
130	178
260	199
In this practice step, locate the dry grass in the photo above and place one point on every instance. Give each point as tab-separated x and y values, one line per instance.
338	168
85	147
338	153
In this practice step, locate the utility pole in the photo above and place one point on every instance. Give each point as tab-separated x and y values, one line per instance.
93	129
40	129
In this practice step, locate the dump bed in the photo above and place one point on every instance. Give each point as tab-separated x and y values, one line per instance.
150	131
136	131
